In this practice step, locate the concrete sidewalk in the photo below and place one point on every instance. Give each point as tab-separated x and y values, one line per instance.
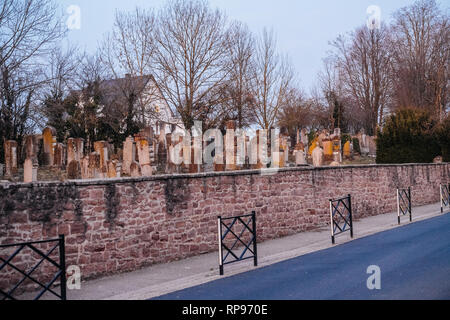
165	278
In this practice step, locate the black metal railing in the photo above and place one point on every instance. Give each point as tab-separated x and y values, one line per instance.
43	287
445	196
404	203
341	216
240	249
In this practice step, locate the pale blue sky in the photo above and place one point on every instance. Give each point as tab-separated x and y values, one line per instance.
303	28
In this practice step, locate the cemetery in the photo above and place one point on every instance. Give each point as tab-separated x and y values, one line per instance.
184	133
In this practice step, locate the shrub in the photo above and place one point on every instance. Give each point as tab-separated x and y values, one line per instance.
311	137
407	137
442	134
356	146
345	138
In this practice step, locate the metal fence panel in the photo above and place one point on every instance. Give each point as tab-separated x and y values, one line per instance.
341	216
28	274
240	247
404	203
445	195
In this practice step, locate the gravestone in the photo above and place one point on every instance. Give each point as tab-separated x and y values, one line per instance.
28	171
75	147
347	150
94	169
101	147
135	170
58	155
10	149
112	168
144	155
84	164
230	142
317	157
73	170
128	155
31	148
299	154
304	138
162	149
48	136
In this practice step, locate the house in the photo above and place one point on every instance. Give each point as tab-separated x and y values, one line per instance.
152	108
142	92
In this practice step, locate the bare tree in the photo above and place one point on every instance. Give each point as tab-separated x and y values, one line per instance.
191	60
61	73
271	80
238	102
127	53
363	60
297	113
421	50
28	31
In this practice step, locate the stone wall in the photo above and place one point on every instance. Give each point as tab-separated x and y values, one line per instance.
119	225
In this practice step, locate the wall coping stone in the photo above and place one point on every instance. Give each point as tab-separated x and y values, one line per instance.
264	172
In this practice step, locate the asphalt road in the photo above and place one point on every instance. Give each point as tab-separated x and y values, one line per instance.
414	262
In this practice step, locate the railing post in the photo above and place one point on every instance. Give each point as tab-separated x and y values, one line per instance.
62	264
219	230
332	221
409	204
255	259
398	206
351	214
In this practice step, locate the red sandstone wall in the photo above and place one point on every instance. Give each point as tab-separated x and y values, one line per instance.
122	225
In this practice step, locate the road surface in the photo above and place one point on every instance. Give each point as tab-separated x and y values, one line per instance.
414	262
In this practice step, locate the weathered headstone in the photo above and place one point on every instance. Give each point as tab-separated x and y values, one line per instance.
347	149
128	155
304	138
10	149
372	146
31	148
299	153
171	167
322	136
112	168
94	170
101	147
277	159
84	164
28	171
135	170
437	159
317	157
162	149
230	142
284	148
58	155
256	162
75	148
144	155
363	144
73	170
327	149
48	136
